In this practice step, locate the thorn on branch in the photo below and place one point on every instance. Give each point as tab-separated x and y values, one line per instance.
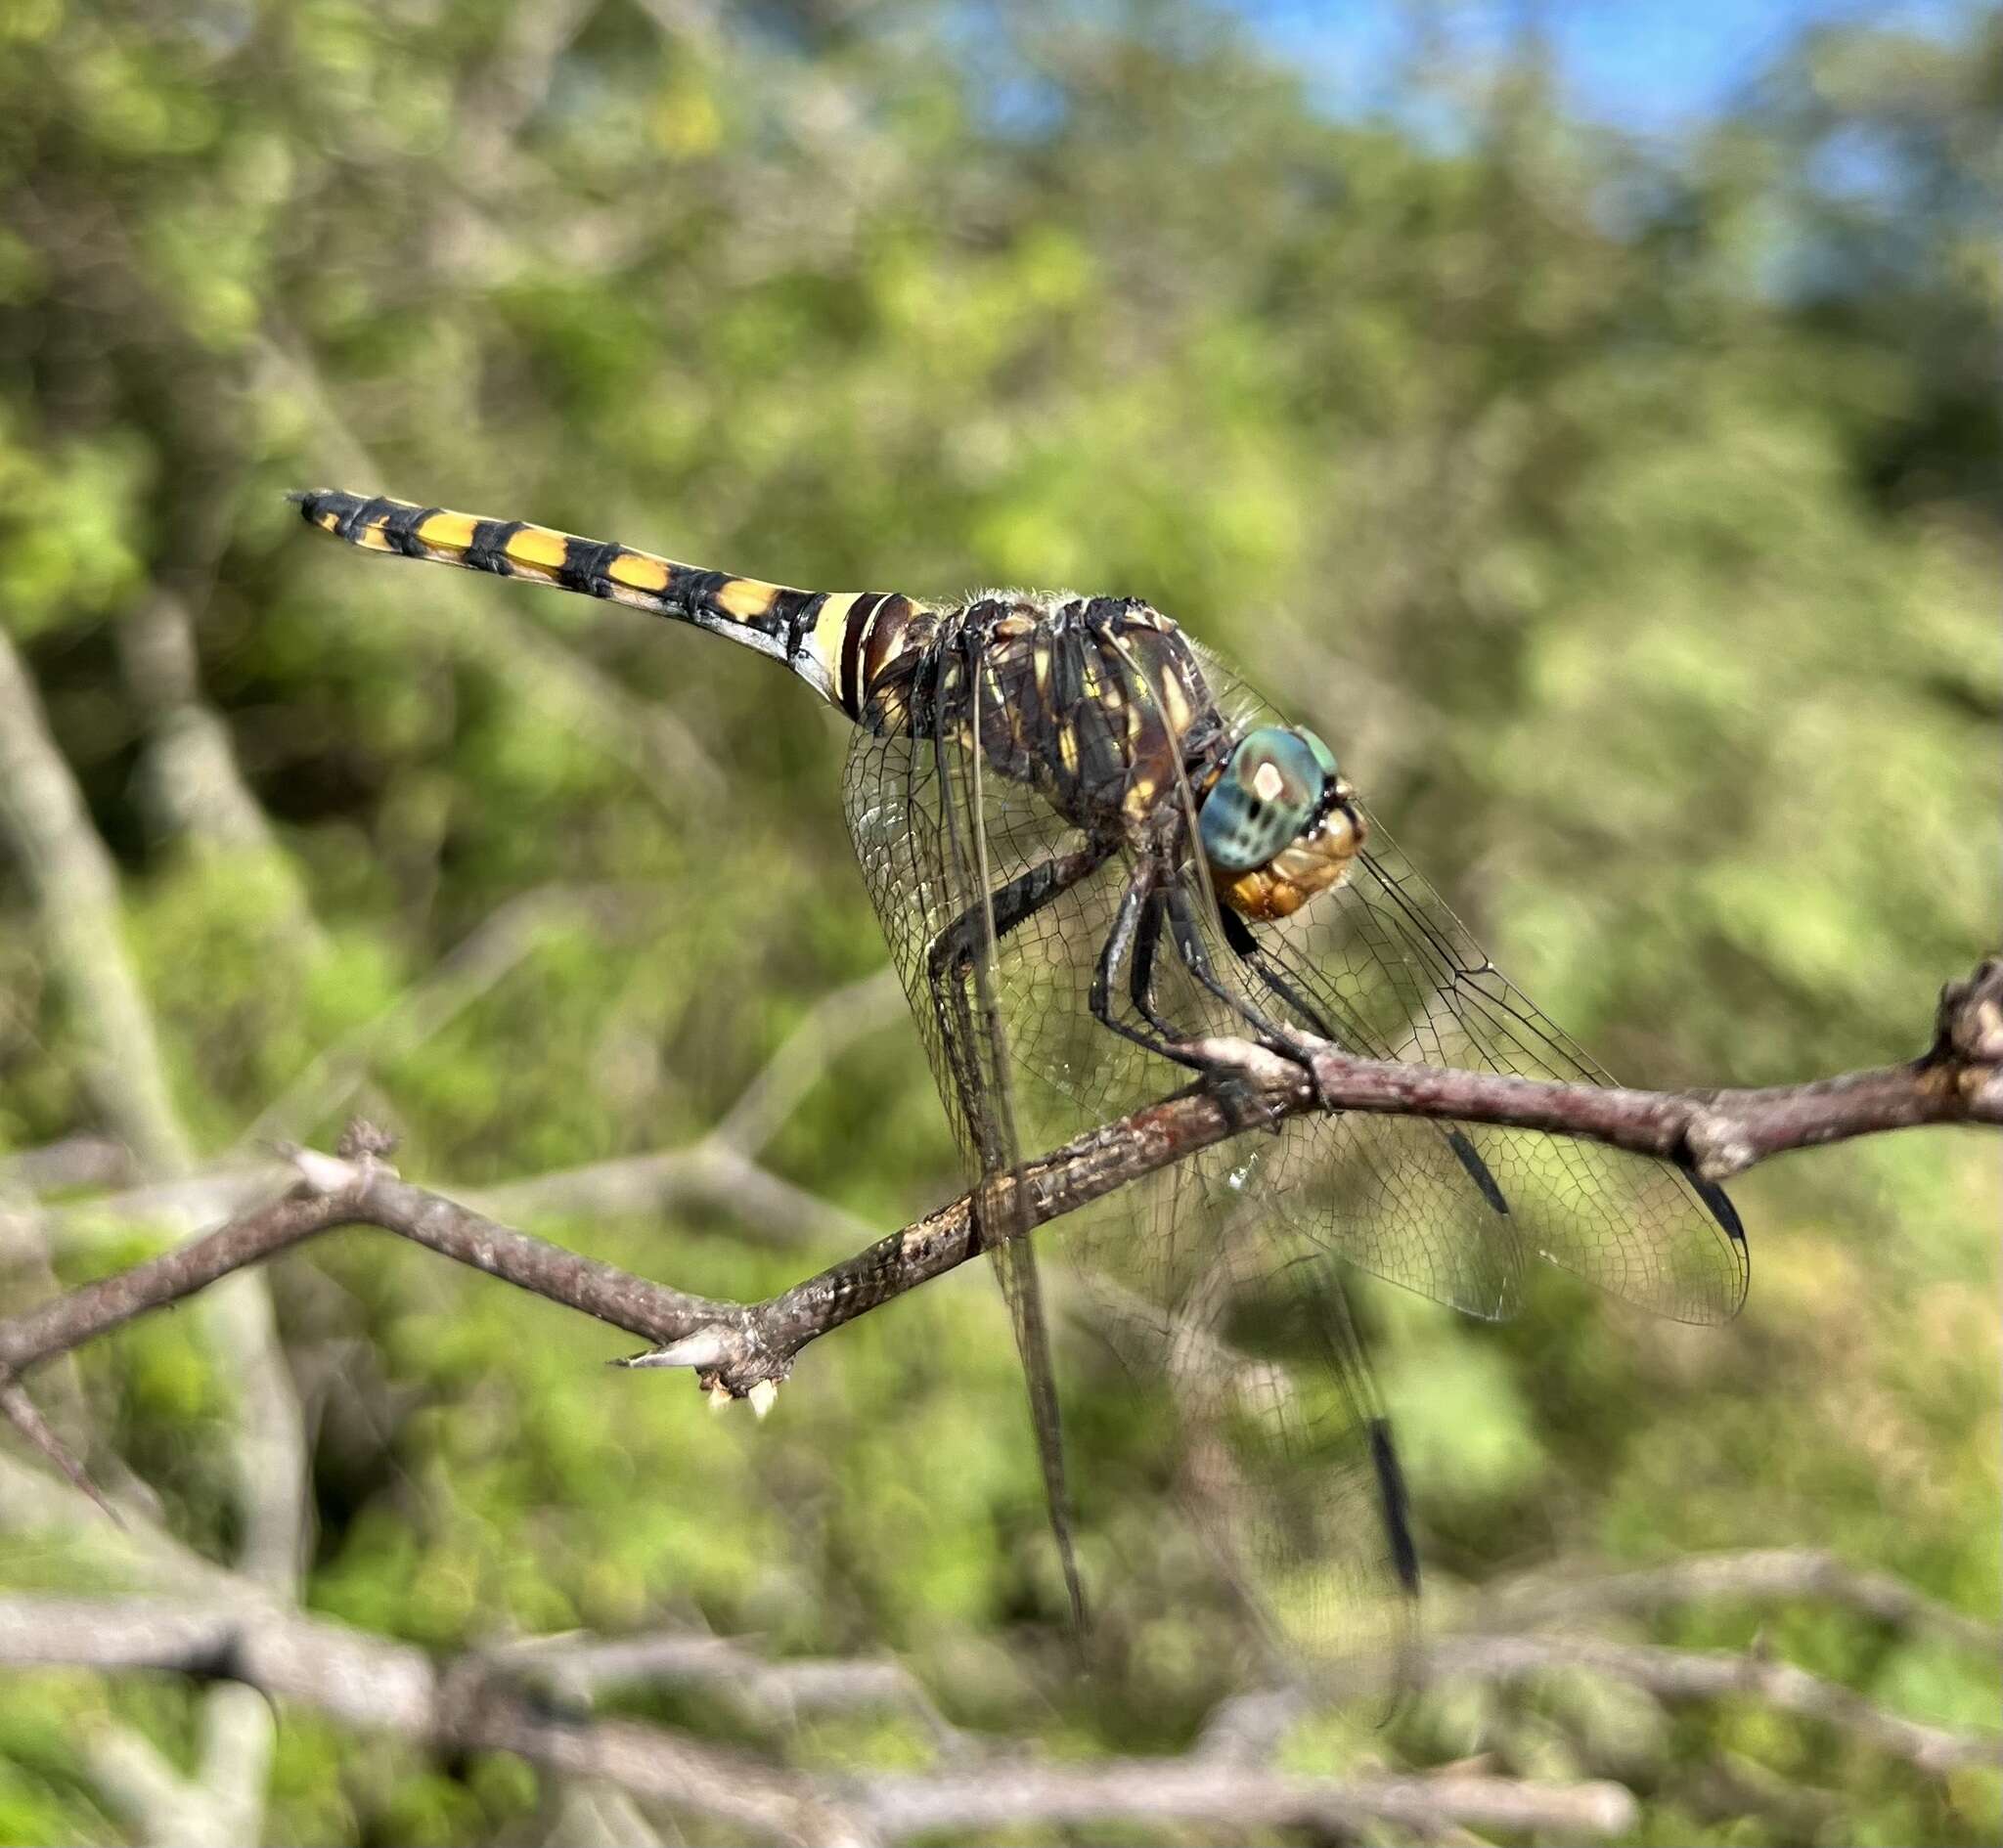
730	1363
707	1348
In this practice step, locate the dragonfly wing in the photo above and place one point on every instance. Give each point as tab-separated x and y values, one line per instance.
1217	1307
959	861
1394	973
1382	966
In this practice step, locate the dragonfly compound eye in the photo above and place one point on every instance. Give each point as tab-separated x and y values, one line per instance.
1265	798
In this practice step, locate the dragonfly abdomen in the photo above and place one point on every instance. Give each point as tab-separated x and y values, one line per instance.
833	641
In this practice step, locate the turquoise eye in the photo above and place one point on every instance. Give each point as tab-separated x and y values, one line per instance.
1322	754
1265	798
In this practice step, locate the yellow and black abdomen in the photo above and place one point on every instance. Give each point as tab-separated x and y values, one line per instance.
837	642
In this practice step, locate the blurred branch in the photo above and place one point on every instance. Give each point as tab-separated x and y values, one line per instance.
1774	1574
205	799
708	1172
76	892
222	1802
79	1160
191	767
578	1667
138	1548
718	1168
1242	1797
721	1166
833	1023
373	1683
1677	1675
474	1702
742	1349
1494	1649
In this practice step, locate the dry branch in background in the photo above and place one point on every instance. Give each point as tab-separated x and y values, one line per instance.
77	905
533	1697
76	895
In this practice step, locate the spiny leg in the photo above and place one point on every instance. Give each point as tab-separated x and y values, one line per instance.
1135	941
1132	943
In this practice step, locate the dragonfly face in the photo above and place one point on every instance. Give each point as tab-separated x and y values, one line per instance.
1279	823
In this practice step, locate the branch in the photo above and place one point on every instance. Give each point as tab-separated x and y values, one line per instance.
742	1349
1716	1133
580	1666
472	1703
1242	1798
373	1683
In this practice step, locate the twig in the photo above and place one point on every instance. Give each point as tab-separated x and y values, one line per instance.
740	1348
1718	1132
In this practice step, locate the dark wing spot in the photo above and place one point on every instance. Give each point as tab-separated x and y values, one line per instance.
1477	1170
1396	1505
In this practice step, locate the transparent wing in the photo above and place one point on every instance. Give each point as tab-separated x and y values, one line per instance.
1240	1333
951	872
1382	967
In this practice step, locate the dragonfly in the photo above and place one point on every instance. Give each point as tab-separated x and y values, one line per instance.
1095	855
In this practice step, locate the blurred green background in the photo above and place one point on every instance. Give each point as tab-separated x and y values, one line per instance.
1622	507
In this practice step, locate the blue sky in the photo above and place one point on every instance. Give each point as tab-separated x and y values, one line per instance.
1653	66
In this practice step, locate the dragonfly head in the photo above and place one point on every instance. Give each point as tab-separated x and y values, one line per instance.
1279	823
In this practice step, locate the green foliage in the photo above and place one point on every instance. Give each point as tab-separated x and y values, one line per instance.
1617	510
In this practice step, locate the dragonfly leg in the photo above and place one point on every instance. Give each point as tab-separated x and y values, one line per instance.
951	957
1136	941
1196	955
1132	944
